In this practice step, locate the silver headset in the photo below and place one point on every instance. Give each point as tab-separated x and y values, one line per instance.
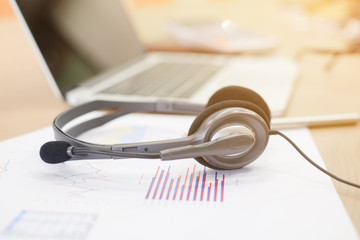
231	131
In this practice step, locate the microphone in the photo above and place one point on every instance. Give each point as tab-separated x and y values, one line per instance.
55	152
60	151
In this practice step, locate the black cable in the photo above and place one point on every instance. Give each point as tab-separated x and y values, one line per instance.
275	132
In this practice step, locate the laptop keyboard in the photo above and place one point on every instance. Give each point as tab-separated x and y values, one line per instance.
179	80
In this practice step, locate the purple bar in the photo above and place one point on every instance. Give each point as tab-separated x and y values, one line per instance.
215	187
177	187
209	190
158	183
183	186
222	189
203	184
152	183
196	186
190	184
169	190
165	182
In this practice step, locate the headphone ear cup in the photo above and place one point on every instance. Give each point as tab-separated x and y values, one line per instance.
218	106
239	93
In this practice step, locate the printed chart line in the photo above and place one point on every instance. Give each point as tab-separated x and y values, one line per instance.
163	185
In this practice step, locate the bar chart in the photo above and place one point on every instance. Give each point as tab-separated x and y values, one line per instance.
191	185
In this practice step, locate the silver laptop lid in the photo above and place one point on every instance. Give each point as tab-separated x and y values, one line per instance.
78	39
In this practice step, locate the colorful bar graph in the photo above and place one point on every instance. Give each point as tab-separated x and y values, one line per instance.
192	185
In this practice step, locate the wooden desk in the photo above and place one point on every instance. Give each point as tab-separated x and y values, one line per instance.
27	103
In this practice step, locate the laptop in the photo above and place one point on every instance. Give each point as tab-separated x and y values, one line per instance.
89	50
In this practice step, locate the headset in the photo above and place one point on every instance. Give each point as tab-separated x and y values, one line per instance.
229	132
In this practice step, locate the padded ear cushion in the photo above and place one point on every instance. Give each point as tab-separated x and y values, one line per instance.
225	104
239	93
218	106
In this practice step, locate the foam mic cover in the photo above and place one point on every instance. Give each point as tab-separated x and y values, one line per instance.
55	152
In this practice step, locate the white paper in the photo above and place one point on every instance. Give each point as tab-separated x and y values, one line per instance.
279	196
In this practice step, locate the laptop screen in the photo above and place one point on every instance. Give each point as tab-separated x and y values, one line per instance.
79	39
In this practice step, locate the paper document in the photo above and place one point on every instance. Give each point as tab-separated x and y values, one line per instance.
279	196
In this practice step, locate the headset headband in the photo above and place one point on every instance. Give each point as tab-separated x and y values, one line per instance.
115	109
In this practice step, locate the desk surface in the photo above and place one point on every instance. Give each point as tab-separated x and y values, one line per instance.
27	102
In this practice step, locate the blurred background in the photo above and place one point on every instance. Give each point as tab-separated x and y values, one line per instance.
325	24
329	29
